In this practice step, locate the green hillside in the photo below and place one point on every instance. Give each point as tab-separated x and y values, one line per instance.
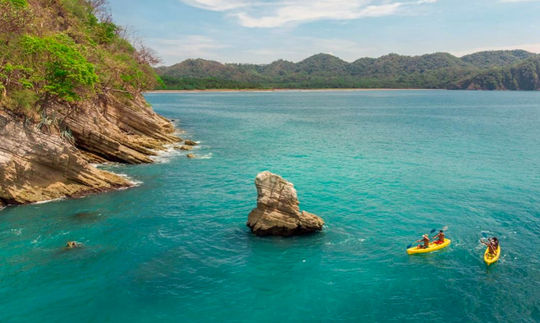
438	70
77	55
496	58
524	75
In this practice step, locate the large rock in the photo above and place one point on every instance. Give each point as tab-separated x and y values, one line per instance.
277	212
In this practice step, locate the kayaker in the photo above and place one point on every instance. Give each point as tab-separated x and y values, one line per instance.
425	239
73	244
495	242
492	243
440	237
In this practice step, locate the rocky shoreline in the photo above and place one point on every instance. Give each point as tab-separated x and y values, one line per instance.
40	162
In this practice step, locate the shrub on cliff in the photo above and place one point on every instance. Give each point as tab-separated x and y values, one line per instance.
66	51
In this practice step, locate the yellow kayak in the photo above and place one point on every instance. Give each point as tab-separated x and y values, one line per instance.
491	258
432	247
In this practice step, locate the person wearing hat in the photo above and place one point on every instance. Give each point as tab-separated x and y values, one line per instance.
425	239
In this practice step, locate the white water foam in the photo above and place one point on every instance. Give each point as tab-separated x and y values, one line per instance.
17	231
36	240
134	182
165	156
171	151
206	156
49	201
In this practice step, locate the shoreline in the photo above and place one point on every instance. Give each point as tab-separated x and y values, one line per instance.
289	90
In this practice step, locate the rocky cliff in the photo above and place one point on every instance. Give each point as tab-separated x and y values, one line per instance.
277	211
71	95
38	162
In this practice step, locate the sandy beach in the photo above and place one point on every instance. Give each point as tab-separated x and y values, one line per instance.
285	90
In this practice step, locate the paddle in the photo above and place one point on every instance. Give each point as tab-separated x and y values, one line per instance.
430	232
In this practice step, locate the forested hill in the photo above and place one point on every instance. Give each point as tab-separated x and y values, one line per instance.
524	75
438	70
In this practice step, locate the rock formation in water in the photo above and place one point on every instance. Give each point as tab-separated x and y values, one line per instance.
277	212
71	95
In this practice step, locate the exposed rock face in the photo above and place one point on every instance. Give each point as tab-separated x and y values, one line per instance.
277	211
40	164
117	131
190	142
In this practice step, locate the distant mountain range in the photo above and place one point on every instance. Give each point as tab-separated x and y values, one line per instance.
488	70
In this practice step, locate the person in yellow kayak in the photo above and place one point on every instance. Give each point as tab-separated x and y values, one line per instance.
492	243
73	244
439	237
425	239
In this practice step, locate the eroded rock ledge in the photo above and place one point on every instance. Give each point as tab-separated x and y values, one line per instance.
40	163
277	212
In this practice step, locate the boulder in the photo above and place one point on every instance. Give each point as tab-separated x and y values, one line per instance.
190	156
190	142
184	147
277	212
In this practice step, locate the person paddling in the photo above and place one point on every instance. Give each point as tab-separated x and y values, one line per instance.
492	243
440	237
72	244
425	239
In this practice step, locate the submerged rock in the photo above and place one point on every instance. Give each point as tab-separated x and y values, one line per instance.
277	212
190	156
185	148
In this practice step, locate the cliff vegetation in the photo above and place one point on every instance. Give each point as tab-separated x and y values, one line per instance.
70	95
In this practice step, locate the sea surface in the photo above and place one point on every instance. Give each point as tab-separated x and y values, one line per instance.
381	168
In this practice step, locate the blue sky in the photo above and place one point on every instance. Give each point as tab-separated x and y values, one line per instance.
261	31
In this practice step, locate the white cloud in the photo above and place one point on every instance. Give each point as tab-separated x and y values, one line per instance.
172	51
217	5
298	48
531	47
284	12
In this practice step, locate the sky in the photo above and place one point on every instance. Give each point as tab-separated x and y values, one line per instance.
262	31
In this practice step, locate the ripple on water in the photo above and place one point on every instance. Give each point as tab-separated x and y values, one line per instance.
381	168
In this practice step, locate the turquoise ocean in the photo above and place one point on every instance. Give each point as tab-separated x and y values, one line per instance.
381	168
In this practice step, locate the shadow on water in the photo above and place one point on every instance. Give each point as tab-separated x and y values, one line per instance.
435	258
77	252
87	216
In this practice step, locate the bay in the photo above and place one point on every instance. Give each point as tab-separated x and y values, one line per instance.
381	168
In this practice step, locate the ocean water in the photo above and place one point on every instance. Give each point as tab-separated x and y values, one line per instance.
381	168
